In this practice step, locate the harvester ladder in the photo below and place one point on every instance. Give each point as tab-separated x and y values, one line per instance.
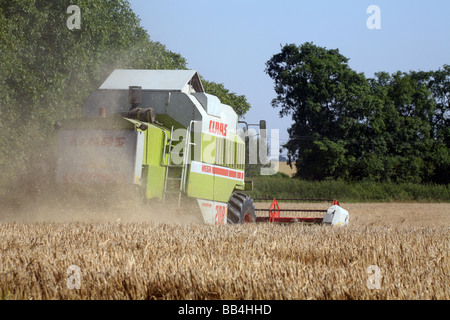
184	165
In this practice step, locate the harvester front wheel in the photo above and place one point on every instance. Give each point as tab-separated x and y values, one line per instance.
240	209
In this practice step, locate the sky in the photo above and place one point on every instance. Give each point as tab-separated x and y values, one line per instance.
230	41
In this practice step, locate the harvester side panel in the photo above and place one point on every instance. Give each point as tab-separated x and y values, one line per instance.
153	158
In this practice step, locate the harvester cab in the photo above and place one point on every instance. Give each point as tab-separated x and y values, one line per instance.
159	131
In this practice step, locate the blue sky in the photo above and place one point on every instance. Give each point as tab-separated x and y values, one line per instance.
230	41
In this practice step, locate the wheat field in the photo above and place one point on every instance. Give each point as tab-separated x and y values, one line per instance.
389	251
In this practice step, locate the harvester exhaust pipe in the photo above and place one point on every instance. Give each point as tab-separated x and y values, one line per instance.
263	129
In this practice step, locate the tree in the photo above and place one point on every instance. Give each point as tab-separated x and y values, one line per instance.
438	159
325	99
393	127
238	102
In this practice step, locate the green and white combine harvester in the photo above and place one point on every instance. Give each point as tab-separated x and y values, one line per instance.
160	131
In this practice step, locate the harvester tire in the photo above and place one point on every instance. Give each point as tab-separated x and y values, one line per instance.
240	209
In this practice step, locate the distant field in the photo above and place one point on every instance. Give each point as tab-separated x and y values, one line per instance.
122	254
285	168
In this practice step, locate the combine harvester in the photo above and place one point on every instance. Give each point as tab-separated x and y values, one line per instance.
159	131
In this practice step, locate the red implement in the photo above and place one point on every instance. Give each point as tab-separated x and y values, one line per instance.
274	214
274	211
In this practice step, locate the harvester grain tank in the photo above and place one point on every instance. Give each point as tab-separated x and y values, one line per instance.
158	130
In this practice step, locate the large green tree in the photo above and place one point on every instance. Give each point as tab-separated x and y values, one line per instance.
393	127
325	98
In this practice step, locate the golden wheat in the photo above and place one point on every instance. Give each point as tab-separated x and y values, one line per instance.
148	260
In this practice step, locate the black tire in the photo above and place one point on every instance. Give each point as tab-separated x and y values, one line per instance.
240	209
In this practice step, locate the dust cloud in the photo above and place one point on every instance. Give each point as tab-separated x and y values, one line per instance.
91	204
34	195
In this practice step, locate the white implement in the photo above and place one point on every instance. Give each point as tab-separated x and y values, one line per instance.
336	216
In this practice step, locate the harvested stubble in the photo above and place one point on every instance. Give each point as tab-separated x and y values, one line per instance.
170	261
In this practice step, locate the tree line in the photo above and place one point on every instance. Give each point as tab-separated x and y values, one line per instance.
389	128
47	70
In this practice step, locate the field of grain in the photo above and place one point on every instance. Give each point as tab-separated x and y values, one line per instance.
389	251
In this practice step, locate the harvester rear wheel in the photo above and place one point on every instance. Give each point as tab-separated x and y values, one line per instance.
240	209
